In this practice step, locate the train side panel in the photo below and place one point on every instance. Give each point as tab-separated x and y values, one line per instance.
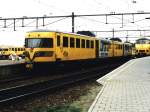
71	47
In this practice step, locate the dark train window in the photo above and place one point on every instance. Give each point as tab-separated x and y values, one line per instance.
65	41
71	42
15	49
87	44
120	46
92	44
58	40
39	43
5	49
77	43
83	43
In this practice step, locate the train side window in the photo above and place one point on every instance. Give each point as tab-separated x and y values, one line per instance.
77	43
15	49
87	44
92	44
71	42
120	46
58	40
83	43
65	41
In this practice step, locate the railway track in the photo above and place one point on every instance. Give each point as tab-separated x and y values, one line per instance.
13	94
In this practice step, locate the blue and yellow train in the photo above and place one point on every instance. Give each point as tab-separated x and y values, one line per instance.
44	46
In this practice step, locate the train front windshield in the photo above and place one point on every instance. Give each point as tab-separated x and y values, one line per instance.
39	43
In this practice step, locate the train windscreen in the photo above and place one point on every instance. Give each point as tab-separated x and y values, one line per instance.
39	43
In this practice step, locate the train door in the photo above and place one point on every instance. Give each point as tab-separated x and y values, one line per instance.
59	47
97	48
124	50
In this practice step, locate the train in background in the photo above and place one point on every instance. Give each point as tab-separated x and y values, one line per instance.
45	47
142	47
5	52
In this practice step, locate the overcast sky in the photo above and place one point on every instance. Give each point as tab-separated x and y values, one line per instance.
31	8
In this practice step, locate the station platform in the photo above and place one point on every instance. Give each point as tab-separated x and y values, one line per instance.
11	68
126	89
10	62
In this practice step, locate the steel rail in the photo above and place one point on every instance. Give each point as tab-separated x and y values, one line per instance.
22	91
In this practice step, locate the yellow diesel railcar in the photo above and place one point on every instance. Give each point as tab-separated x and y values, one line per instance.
50	46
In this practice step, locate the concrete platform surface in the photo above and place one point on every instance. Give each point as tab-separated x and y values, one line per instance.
10	62
126	89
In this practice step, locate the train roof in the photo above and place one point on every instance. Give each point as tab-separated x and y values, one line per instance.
46	30
142	39
116	39
87	33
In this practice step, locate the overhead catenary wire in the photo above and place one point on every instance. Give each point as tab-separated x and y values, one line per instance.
40	2
56	21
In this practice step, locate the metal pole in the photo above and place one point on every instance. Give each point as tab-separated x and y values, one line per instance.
36	23
113	33
113	40
23	22
5	23
14	24
72	22
122	21
106	20
43	22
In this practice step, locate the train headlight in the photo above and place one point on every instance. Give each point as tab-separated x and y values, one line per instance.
29	66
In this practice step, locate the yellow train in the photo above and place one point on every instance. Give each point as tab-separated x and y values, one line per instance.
44	46
142	47
7	51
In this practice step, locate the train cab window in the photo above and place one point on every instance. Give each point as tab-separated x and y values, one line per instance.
83	43
39	43
65	41
58	40
71	42
13	49
19	49
87	44
77	43
92	44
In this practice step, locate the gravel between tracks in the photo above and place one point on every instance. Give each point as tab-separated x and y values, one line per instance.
73	98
